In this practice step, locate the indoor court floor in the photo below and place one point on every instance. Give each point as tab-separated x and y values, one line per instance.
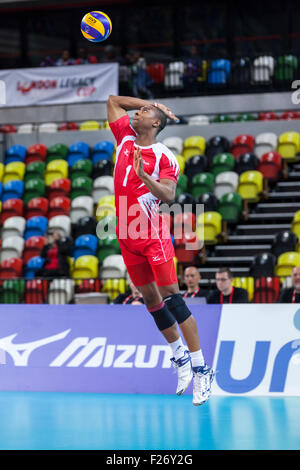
77	421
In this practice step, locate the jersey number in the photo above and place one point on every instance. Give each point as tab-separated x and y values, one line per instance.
128	168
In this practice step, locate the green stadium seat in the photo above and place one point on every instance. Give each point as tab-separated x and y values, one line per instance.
12	291
81	186
222	162
34	188
182	184
202	183
35	170
57	152
81	168
230	207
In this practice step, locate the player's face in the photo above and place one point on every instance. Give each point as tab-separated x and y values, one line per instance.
144	118
296	277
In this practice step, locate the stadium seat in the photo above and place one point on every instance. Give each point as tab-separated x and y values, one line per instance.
36	226
270	165
114	287
186	201
267	116
48	127
194	145
35	170
230	207
187	247
246	162
12	291
15	153
251	185
289	146
296	224
33	265
12	190
265	142
243	143
211	222
286	263
59	205
1	191
156	71
34	188
13	226
85	245
196	164
185	221
198	120
182	184
81	168
11	268
57	151
1	171
262	265
181	162
219	72
290	115
37	206
61	291
68	126
81	206
244	117
36	152
89	285
56	169
174	75
267	290
78	151
102	168
286	68
222	162
8	129
14	171
102	186
89	126
36	291
175	144
81	186
86	224
283	242
12	247
246	283
85	267
11	208
222	118
103	150
113	267
226	182
209	201
62	224
25	129
105	206
202	183
263	69
108	246
59	187
33	247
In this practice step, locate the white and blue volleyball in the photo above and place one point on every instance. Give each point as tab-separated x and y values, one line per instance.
96	26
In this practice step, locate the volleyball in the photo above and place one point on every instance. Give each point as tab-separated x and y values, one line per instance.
96	26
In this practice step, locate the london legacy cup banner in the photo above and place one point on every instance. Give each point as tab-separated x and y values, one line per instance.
59	85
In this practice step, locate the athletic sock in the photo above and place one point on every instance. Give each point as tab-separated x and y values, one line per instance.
197	359
177	348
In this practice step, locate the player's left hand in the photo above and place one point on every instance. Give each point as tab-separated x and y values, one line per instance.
138	163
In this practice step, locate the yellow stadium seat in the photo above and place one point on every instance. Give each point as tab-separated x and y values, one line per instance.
106	206
289	145
1	171
251	185
85	267
296	224
246	283
71	264
286	262
14	171
114	154
114	287
55	170
181	163
0	207
212	223
89	126
176	264
194	145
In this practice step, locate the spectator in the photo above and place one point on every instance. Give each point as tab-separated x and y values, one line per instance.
292	294
133	296
225	292
47	62
84	58
55	252
191	279
111	55
65	59
192	70
140	79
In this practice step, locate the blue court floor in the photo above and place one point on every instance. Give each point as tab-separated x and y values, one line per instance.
44	421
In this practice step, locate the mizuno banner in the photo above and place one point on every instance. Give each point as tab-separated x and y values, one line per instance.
59	85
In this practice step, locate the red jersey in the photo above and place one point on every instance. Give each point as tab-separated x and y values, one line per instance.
138	203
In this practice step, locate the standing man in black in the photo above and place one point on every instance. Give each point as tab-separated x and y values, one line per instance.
292	294
226	293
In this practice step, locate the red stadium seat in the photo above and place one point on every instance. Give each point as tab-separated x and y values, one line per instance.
11	268
59	187
156	72
267	290
37	206
59	205
186	220
289	115
36	291
268	116
33	247
183	254
8	129
270	165
11	208
89	285
68	126
36	152
243	143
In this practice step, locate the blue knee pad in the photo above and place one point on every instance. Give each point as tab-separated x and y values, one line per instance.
178	307
163	318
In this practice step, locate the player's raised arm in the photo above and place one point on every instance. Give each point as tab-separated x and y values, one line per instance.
118	105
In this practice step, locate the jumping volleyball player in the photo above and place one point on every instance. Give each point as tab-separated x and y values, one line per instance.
146	173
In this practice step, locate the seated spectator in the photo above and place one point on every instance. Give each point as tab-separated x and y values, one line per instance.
65	59
226	293
140	79
191	279
84	58
56	257
133	296
192	69
292	294
47	62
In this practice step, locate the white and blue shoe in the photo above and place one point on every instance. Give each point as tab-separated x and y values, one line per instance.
184	371
203	377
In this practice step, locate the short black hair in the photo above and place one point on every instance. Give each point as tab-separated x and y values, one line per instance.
163	119
226	270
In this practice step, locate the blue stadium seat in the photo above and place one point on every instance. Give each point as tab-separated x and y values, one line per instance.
12	190
36	226
33	265
219	72
85	245
78	151
1	189
103	150
15	153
